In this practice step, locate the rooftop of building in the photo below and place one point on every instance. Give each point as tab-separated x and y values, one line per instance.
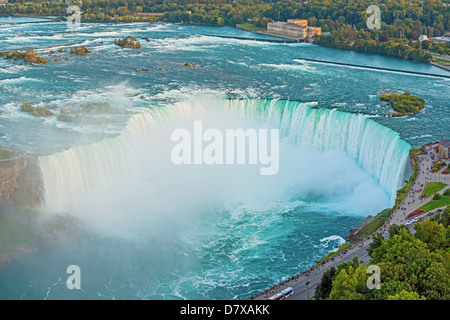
444	142
289	24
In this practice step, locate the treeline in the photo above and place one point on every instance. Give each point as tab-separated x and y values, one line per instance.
402	21
412	267
374	42
399	17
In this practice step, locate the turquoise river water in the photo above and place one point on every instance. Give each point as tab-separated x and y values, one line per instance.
160	231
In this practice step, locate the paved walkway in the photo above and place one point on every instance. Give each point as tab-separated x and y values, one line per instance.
17	154
412	201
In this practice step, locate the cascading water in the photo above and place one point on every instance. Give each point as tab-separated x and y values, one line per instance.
377	149
69	174
219	231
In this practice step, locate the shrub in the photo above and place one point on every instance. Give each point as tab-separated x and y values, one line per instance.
436	196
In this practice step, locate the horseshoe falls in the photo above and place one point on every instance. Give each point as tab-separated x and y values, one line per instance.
217	230
111	162
147	228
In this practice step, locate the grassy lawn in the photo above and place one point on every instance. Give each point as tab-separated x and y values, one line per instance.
5	154
433	204
374	225
249	27
441	60
432	187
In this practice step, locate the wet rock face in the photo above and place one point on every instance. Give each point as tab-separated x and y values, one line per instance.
354	232
20	177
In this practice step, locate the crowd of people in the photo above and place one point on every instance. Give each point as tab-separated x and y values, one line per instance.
285	283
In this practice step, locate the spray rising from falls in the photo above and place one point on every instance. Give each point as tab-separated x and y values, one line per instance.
377	149
142	150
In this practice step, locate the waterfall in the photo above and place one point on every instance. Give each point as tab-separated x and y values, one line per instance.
377	149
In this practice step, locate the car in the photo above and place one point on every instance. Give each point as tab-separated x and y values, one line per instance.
439	210
409	222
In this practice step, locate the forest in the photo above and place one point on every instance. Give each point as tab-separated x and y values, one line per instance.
399	18
412	266
345	20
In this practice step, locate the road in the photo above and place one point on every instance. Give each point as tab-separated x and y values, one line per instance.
411	202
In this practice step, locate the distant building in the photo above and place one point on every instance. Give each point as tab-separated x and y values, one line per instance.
299	22
3	3
294	29
423	37
443	148
149	14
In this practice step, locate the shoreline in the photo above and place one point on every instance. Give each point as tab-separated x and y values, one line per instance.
260	32
434	63
313	270
141	22
312	276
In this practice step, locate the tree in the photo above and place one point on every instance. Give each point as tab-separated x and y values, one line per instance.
349	285
432	233
392	288
395	229
401	248
376	242
443	218
405	295
385	36
436	196
323	288
435	282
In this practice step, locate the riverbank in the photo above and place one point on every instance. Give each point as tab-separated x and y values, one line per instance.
441	65
359	239
23	228
408	199
22	19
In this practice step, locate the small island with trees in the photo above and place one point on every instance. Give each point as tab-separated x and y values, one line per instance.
404	104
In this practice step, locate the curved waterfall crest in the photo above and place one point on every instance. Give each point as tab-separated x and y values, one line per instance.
377	149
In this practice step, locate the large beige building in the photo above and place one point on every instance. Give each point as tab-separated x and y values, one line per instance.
294	28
